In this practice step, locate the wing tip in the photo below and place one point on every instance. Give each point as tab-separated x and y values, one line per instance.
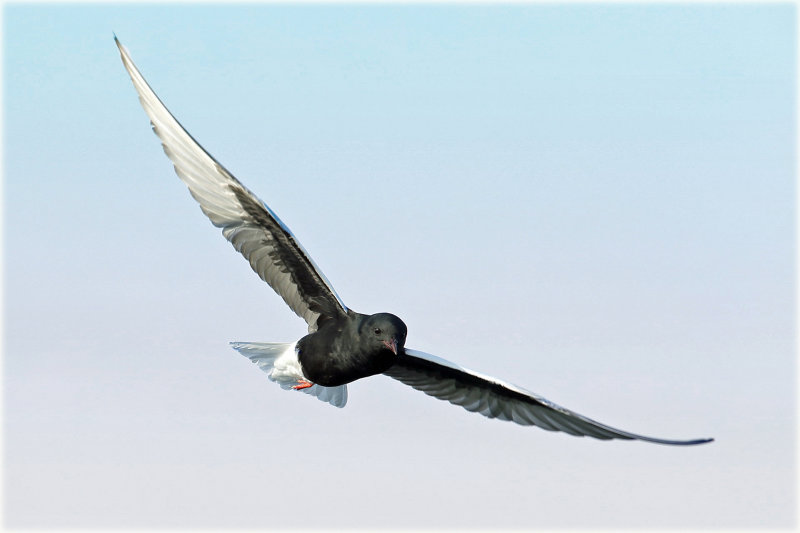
701	441
693	442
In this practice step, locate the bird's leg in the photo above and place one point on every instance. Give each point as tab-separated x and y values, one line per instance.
302	384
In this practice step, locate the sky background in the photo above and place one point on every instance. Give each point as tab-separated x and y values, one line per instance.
593	202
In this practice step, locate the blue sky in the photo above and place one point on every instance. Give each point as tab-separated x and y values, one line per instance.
595	202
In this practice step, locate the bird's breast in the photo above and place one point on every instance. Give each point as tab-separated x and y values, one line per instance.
330	365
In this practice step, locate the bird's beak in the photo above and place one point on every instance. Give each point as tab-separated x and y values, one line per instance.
392	345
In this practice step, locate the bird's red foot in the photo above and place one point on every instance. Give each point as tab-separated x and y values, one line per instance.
302	384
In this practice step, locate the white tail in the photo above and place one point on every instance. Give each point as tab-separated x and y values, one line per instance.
279	361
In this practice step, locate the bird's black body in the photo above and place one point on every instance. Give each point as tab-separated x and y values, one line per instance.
342	345
343	350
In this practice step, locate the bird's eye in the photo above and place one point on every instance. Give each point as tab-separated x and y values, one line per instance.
377	331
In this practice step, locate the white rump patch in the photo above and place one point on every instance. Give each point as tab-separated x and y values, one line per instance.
279	361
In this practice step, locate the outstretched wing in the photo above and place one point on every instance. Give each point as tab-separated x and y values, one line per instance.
497	399
252	227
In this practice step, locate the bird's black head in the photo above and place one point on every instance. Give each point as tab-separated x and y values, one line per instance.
385	332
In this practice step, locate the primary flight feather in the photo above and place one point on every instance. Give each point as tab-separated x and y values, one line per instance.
342	345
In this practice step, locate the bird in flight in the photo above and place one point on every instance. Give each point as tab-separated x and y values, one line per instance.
342	345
